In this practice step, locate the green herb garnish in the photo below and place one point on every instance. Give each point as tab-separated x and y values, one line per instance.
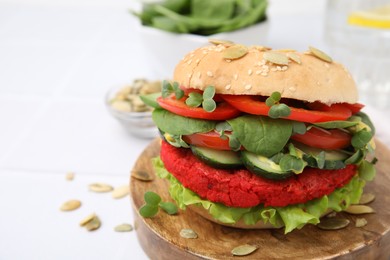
277	109
153	203
168	89
196	99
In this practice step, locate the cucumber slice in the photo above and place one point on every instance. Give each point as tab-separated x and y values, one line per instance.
217	158
263	166
333	159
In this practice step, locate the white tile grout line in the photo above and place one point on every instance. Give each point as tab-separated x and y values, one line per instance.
55	96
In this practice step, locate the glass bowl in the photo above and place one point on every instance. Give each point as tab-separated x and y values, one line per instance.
138	124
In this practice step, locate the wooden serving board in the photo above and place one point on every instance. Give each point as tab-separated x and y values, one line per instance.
160	239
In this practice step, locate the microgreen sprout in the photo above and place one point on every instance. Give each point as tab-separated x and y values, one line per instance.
153	203
196	99
277	109
221	128
168	89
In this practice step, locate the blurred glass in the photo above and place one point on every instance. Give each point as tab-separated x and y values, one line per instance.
358	34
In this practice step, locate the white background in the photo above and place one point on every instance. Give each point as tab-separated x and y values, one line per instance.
57	60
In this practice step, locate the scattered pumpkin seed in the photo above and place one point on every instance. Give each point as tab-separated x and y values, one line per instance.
320	54
294	57
69	176
333	223
93	224
87	219
360	222
367	198
100	187
332	214
223	42
235	52
142	175
243	250
123	228
359	209
70	205
120	192
188	233
276	57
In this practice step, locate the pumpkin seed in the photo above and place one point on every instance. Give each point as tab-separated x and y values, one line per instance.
93	224
100	187
360	222
70	205
123	228
235	52
359	209
69	176
332	214
223	42
87	219
367	198
243	250
333	223
142	175
320	54
120	192
294	57
276	58
261	48
188	233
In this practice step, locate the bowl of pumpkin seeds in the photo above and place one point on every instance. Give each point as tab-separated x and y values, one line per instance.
124	103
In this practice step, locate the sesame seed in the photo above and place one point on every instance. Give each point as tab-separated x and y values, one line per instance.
205	52
197	61
192	55
284	68
250	72
189	62
228	87
258	72
264	74
235	76
292	89
278	68
209	73
248	86
189	75
326	64
228	61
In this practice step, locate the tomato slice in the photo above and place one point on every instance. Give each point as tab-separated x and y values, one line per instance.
355	108
251	105
324	139
223	111
210	139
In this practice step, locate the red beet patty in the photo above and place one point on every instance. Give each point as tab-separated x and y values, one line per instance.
240	188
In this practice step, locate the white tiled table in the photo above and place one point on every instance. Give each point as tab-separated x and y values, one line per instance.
57	60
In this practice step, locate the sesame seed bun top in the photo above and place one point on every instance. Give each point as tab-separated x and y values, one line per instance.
256	70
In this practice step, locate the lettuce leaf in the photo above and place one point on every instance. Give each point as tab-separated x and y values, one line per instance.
291	217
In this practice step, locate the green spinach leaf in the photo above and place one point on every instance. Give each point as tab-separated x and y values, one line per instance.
179	125
261	135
